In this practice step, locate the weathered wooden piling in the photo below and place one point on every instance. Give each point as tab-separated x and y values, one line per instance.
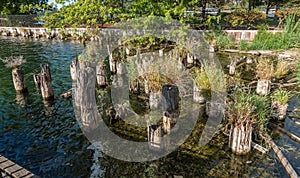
37	81
198	96
154	136
46	82
263	87
240	138
170	106
101	75
73	69
18	79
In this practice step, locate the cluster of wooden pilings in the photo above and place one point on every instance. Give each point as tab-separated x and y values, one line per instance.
43	82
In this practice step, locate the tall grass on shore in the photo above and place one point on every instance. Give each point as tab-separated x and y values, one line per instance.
289	38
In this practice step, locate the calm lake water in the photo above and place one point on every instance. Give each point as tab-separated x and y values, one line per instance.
48	141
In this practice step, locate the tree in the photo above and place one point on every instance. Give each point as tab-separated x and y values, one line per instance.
12	7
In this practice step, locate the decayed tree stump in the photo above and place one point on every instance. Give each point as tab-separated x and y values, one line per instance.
46	82
101	75
18	79
240	138
170	106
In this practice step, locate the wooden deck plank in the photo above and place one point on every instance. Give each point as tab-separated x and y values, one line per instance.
2	159
13	169
21	173
6	164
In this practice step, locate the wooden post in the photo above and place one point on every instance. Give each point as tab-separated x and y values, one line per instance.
112	63
198	96
154	136
46	85
101	75
18	79
37	81
263	87
121	68
170	106
154	100
240	138
73	69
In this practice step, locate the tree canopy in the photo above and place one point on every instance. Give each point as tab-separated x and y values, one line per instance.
13	7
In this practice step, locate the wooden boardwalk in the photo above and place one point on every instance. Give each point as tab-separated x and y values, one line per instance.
10	169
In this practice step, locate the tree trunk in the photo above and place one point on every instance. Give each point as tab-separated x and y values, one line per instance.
18	79
203	10
240	138
46	83
101	75
250	5
267	7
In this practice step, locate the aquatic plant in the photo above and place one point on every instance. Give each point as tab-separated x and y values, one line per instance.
245	109
200	79
13	61
264	68
282	68
281	96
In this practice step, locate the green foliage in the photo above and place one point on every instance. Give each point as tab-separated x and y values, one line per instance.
13	7
243	17
201	80
220	39
247	107
244	45
289	38
280	95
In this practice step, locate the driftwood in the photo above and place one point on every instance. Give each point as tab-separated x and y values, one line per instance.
289	134
256	52
285	163
66	95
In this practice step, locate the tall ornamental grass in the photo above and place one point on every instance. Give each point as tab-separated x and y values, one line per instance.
289	38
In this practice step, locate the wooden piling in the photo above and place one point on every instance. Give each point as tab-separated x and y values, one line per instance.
170	106
101	75
46	82
73	69
18	79
154	136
